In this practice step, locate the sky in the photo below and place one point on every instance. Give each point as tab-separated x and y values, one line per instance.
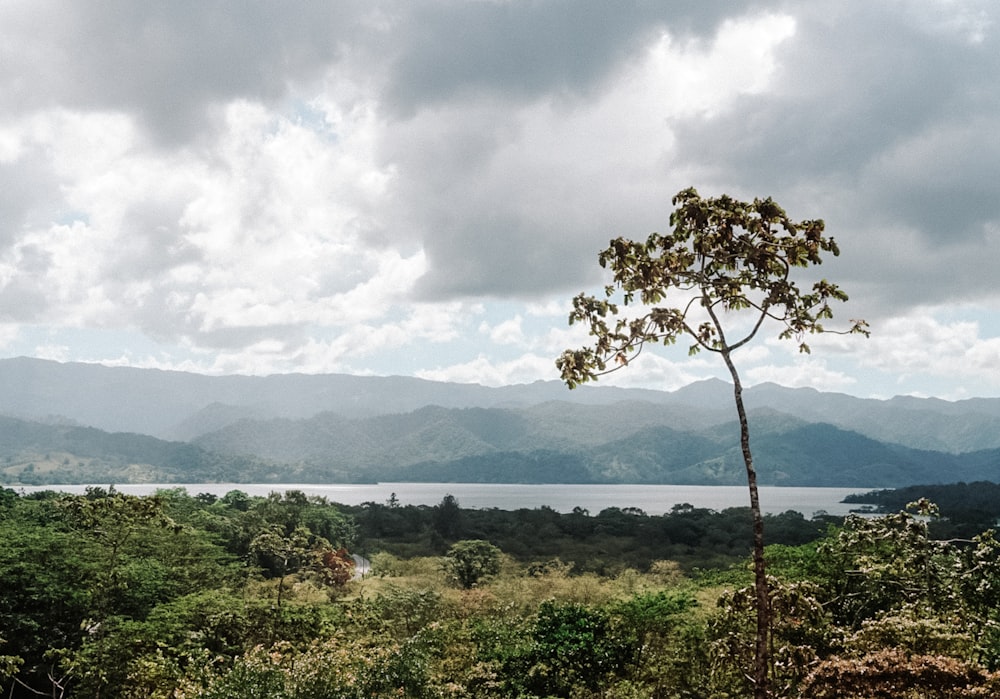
401	187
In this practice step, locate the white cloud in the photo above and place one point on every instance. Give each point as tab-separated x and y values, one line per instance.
703	78
552	308
509	332
805	372
482	370
9	335
56	353
920	344
266	230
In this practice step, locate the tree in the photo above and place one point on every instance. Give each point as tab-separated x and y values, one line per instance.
447	517
573	646
43	597
115	524
283	554
724	270
469	561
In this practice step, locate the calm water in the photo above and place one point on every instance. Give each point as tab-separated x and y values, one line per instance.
653	499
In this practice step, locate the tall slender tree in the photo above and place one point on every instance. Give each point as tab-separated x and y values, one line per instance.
724	270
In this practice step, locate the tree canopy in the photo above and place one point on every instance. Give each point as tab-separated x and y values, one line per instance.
723	255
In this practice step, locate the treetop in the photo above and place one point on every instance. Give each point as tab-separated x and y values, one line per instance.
721	256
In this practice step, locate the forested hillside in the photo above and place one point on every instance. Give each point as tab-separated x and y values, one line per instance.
34	453
181	406
479	445
72	423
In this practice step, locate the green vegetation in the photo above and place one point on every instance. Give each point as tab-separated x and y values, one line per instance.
966	508
605	543
117	596
471	562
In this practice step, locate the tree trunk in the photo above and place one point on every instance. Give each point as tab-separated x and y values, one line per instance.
763	606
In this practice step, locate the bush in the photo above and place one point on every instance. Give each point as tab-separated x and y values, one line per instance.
470	561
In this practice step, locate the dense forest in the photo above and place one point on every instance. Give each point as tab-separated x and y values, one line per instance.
177	595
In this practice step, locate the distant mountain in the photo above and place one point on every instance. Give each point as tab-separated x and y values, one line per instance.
33	453
477	445
925	423
515	445
83	422
180	405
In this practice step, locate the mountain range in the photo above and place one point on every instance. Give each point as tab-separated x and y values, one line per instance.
72	423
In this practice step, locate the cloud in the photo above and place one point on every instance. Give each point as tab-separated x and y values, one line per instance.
524	51
27	193
256	242
397	187
170	65
486	372
890	140
508	332
923	344
513	199
920	178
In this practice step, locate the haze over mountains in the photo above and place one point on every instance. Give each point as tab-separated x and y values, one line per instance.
69	423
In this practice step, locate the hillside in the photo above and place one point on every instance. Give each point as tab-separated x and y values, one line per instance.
182	406
476	445
179	405
33	453
84	423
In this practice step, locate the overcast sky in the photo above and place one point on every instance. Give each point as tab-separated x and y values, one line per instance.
420	188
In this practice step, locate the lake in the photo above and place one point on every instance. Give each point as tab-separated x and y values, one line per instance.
653	499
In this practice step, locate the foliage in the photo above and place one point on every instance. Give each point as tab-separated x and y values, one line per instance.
604	543
571	646
896	674
402	612
873	566
447	517
800	633
330	669
468	562
966	508
876	606
98	583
